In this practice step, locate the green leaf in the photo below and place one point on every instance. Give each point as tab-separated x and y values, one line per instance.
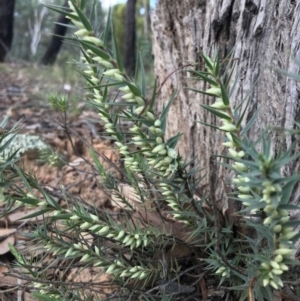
107	27
153	98
294	223
250	123
216	112
14	251
167	108
202	92
44	297
224	95
29	201
134	89
217	62
287	189
204	77
242	115
86	23
210	125
143	77
207	62
38	213
288	207
172	142
51	201
116	51
99	166
95	49
7	143
58	9
63	216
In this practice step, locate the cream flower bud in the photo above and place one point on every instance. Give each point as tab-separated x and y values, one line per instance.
266	282
268	220
228	144
157	123
168	160
128	96
272	283
110	268
241	154
159	140
159	132
94	80
229	127
274	265
283	267
78	24
159	148
265	265
239	166
150	116
233	153
289	236
220	270
219	105
283	251
244	189
93	40
111	72
85	257
278	258
118	77
139	110
215	91
82	32
104	230
139	100
245	196
172	153
163	152
125	89
85	225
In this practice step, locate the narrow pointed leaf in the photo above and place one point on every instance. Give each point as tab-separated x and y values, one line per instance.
204	77
224	96
59	10
95	49
216	112
86	23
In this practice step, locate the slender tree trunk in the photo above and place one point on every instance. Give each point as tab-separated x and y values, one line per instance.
130	37
55	44
146	18
6	26
262	33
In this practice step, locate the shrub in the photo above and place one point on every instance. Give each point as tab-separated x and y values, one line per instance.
168	239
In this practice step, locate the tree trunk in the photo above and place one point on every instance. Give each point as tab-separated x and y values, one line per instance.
130	36
263	34
6	26
55	44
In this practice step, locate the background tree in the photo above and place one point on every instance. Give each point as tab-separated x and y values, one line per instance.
130	37
55	44
261	35
6	26
142	32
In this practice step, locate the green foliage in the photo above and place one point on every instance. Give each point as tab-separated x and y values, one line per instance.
139	246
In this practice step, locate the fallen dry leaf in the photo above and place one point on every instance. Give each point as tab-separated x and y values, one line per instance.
6	237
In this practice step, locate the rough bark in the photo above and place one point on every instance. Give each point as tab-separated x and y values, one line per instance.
55	44
263	34
130	35
6	26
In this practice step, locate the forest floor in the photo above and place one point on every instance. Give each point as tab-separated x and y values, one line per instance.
23	98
